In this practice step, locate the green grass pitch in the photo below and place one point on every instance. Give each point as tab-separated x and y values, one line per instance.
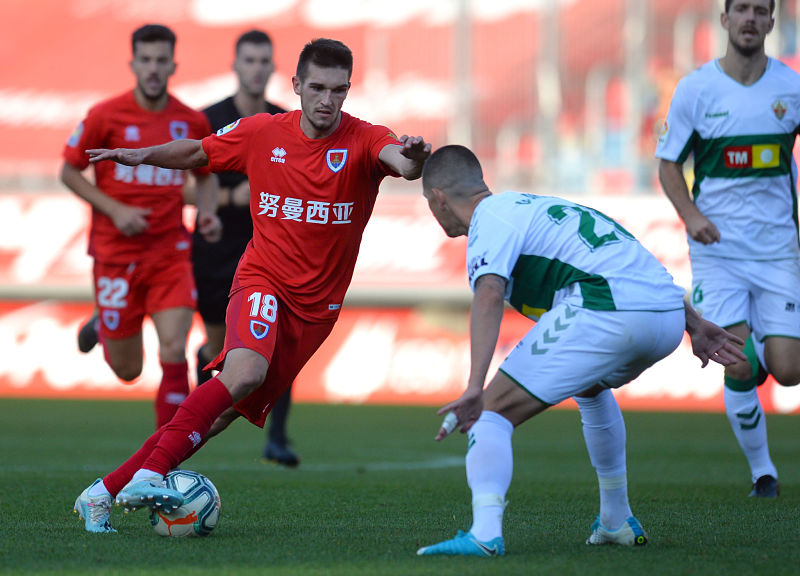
373	486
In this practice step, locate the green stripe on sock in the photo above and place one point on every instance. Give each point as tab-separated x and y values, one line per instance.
744	426
747	415
757	373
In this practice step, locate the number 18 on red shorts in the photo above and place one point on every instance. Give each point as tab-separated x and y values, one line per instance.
258	320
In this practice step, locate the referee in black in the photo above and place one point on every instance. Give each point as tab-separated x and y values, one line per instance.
215	263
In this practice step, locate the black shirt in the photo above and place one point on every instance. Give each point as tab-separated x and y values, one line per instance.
219	259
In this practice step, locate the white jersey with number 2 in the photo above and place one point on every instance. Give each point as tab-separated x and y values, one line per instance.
550	249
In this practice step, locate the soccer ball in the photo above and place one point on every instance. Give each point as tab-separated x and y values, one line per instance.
200	511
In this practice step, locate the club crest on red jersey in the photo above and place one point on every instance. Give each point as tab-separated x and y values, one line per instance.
111	319
178	129
131	133
258	329
336	159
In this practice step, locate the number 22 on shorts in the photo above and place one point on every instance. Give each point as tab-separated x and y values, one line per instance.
111	292
262	307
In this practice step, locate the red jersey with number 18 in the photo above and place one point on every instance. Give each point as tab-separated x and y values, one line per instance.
120	122
310	200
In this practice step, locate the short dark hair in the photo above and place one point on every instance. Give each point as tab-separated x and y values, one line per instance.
253	37
153	33
453	169
325	53
729	2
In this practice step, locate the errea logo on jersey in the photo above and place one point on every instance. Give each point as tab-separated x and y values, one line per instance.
278	154
756	156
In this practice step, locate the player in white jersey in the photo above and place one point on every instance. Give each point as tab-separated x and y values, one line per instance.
606	310
739	116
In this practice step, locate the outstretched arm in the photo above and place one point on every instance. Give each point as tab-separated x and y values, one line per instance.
178	154
710	342
408	157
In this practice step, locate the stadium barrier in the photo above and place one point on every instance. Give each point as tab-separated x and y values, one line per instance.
402	336
374	355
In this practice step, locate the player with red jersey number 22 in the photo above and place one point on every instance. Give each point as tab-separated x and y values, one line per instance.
141	250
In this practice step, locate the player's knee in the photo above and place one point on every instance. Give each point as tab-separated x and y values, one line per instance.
173	352
127	372
243	372
247	385
786	375
243	383
742	371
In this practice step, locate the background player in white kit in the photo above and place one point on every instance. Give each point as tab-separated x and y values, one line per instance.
606	310
739	116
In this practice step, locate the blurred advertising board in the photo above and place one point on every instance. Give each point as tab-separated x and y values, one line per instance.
404	254
402	336
374	355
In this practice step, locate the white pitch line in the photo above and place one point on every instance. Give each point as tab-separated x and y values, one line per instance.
257	466
448	462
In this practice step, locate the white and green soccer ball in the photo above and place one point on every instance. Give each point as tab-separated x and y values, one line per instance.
200	511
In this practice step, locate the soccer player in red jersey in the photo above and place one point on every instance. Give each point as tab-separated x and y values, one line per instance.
140	247
314	176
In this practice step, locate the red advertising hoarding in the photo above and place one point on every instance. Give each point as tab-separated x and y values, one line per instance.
374	355
415	351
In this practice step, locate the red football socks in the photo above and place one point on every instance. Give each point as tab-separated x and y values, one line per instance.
116	480
173	442
189	426
173	390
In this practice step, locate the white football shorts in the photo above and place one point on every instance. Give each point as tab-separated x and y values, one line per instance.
763	294
571	349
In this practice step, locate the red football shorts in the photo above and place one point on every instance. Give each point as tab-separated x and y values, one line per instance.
257	320
125	293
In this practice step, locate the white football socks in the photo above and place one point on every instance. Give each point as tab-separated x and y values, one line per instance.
490	465
749	425
604	433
